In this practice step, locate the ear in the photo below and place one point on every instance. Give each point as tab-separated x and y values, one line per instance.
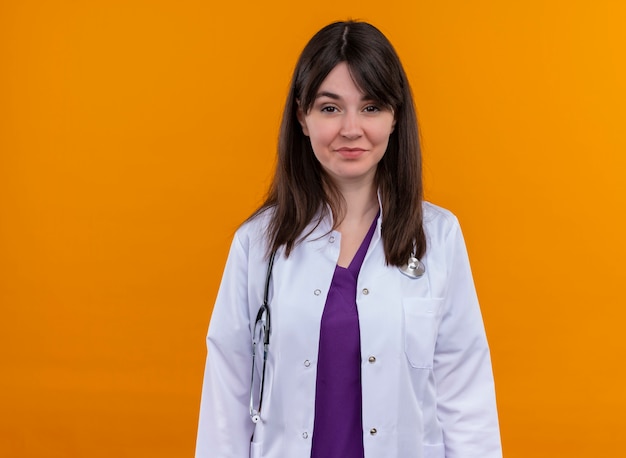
302	120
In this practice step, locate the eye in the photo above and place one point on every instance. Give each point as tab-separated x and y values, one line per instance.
329	109
372	109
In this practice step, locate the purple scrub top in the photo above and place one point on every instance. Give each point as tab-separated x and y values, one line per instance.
337	429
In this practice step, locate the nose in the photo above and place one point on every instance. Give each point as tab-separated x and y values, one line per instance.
351	126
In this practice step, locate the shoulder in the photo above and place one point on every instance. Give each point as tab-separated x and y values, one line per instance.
253	231
444	236
438	220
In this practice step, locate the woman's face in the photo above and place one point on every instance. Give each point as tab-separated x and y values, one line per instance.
349	133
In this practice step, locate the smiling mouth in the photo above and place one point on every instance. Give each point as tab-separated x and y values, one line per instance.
350	153
350	150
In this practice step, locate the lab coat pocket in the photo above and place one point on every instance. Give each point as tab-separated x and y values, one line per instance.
420	330
434	451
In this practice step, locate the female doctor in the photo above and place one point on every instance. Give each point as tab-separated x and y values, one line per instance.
371	344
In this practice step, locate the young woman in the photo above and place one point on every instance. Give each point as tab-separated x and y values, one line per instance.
373	336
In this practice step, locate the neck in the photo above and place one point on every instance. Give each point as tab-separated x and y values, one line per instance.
361	204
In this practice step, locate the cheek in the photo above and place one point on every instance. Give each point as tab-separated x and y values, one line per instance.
381	137
321	135
380	130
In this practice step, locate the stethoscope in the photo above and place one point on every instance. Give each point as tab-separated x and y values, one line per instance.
413	269
263	318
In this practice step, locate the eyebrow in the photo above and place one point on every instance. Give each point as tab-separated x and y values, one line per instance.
332	95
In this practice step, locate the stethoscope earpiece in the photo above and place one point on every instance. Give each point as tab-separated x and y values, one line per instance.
414	268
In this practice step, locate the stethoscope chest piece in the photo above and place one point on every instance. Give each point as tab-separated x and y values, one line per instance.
414	268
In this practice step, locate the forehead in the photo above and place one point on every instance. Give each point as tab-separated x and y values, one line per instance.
339	81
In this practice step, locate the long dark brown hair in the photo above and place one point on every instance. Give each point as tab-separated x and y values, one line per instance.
301	190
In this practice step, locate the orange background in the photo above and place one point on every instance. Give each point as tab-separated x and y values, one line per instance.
135	136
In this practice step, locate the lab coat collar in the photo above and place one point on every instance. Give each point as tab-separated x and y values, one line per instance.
322	224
